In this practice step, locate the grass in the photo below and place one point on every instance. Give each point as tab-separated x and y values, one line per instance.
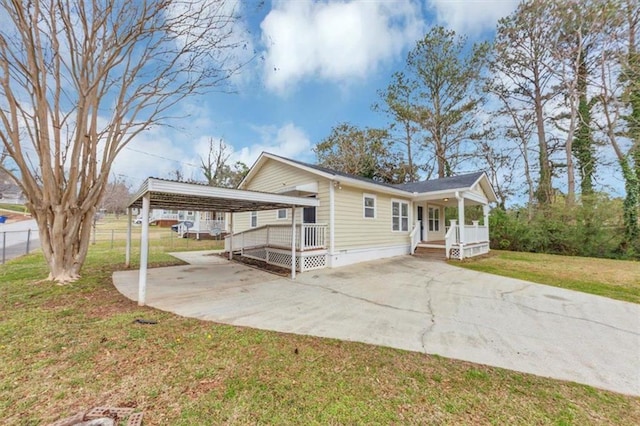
616	279
69	348
13	208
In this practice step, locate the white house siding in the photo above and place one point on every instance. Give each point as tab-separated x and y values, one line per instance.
273	176
354	231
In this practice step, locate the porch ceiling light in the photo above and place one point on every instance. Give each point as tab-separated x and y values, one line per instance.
445	199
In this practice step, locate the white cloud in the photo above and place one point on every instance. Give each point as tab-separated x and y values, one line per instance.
471	17
288	141
334	40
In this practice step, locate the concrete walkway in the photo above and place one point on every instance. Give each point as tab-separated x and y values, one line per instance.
417	305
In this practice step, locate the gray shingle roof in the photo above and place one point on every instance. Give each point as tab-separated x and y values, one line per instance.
454	182
443	184
336	172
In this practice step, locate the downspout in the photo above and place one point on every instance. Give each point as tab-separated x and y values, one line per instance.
332	221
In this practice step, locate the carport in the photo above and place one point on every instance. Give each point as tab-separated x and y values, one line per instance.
166	194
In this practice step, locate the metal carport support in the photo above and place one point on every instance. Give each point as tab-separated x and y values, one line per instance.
172	195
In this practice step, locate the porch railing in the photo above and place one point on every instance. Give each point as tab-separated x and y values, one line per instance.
212	226
309	236
473	234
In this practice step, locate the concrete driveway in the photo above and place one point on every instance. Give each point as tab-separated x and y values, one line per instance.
417	305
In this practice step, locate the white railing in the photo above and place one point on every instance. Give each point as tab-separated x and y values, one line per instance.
309	236
212	226
475	233
415	236
450	238
163	216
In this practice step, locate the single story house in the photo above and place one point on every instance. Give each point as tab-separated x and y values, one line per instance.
357	219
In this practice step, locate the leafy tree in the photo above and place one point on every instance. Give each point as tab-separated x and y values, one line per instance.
361	152
442	77
404	129
619	94
79	80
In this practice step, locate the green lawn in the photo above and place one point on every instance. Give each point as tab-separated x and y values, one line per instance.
69	348
13	208
617	279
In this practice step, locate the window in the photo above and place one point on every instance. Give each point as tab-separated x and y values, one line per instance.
253	219
369	206
399	216
434	219
282	214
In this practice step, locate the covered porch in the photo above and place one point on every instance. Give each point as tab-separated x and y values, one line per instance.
452	224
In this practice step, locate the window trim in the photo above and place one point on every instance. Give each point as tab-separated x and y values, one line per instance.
253	215
400	217
365	207
286	214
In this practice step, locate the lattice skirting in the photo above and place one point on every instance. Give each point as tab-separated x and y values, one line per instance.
469	251
311	260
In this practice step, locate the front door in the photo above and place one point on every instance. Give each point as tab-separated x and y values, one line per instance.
421	219
309	215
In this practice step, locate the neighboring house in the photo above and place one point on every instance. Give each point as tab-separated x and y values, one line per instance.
358	219
200	223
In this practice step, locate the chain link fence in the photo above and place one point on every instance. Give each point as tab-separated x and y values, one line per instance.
18	243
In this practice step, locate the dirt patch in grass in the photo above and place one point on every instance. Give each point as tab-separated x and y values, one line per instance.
66	349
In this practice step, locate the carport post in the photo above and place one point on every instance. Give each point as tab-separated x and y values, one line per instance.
231	237
461	224
144	249
127	256
293	242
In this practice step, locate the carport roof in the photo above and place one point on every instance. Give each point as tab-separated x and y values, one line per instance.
172	195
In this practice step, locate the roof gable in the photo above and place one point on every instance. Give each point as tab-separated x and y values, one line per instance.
453	183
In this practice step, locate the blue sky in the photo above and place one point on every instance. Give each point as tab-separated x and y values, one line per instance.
318	64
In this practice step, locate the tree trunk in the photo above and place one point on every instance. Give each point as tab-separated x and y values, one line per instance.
64	238
543	193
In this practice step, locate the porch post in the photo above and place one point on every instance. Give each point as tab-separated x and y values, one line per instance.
231	236
144	250
485	212
293	242
461	224
127	256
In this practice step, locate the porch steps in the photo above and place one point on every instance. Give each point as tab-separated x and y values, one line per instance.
433	253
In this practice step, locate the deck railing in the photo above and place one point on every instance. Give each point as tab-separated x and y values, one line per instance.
473	234
309	236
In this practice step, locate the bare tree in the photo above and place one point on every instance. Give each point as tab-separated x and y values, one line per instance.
116	196
216	168
217	158
79	79
523	61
